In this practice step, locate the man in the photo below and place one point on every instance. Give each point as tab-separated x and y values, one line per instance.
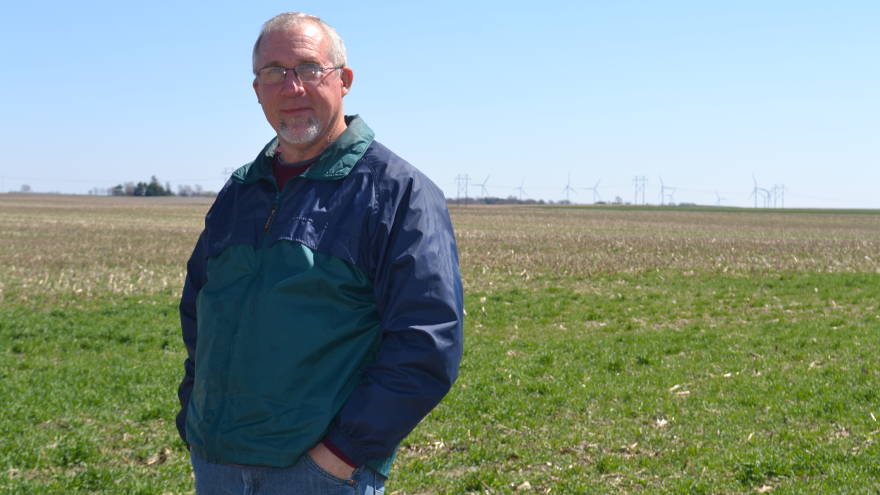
322	310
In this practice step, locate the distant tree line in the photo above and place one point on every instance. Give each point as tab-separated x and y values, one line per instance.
153	188
26	188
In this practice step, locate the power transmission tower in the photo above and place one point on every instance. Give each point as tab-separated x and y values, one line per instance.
227	172
779	194
640	182
462	182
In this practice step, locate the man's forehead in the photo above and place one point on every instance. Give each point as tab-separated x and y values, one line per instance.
305	36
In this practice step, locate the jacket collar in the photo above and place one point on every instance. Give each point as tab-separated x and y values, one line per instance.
333	164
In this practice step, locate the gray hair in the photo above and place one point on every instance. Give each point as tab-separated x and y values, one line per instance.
335	49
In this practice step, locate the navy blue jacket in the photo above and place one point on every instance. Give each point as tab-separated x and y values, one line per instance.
331	308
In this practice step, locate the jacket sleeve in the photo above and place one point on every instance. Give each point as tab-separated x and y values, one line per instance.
418	295
195	279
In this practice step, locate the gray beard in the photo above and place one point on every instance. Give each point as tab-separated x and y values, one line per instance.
299	130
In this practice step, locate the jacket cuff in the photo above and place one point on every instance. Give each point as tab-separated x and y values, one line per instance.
336	438
338	453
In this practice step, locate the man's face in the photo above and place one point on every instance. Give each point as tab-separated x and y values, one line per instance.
304	115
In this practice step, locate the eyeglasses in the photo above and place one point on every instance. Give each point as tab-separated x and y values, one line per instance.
306	73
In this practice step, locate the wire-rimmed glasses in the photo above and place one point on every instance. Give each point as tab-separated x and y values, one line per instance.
306	73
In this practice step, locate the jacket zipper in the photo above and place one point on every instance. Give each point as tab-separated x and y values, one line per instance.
267	226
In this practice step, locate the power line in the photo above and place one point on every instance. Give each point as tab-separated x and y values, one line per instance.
832	199
94	180
679	189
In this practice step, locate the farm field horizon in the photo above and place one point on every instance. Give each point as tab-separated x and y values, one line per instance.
607	350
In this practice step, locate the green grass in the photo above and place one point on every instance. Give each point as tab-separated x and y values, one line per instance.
87	398
675	384
670	382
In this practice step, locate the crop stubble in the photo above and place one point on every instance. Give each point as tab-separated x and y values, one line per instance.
581	243
62	247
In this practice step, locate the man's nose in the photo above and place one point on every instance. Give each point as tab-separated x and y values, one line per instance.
292	84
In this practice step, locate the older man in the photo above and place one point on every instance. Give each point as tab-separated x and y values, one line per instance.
322	310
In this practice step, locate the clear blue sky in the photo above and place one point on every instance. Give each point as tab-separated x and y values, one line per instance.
704	94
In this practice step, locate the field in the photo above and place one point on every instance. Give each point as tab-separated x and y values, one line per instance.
608	350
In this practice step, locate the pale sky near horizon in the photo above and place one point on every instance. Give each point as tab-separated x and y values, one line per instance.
702	94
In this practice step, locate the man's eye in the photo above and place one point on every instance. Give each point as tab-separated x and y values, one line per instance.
308	70
272	73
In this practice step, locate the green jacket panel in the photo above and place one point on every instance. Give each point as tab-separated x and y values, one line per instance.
266	341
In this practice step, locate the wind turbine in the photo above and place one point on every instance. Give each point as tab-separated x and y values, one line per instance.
671	198
568	189
663	189
521	191
595	192
718	203
755	192
766	194
484	192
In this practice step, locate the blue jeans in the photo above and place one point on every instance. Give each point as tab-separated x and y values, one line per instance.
305	477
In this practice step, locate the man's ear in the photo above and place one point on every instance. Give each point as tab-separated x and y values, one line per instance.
257	90
347	77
